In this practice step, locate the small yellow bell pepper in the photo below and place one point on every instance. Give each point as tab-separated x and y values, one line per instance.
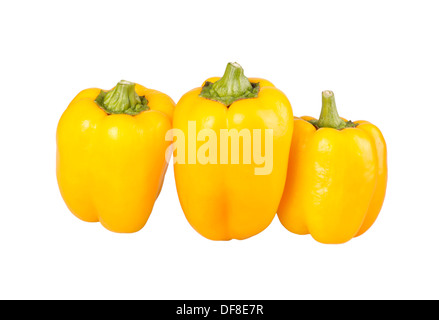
226	191
111	154
337	176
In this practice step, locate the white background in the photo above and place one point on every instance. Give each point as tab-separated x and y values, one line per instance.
379	57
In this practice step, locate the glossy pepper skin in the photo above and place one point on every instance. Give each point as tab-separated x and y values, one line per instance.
336	177
229	201
111	162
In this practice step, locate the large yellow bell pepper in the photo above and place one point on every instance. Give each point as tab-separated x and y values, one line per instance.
231	194
337	176
111	154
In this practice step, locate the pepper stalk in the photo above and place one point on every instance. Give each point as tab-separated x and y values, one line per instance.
329	117
233	86
122	99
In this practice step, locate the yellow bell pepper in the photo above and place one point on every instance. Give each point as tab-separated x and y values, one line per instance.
337	176
231	193
111	154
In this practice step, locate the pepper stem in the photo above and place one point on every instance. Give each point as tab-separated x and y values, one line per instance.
233	85
122	99
329	117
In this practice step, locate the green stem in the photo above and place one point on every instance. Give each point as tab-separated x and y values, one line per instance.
233	85
329	117
122	99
